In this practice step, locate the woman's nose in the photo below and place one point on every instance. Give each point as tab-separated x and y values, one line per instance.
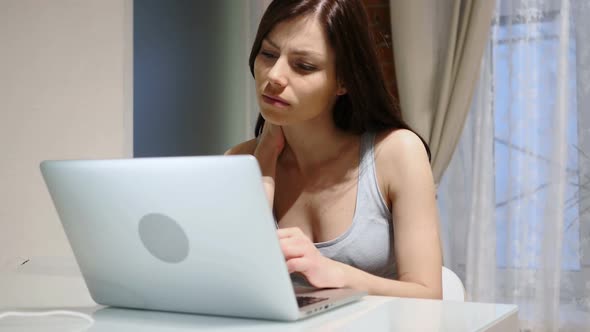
277	74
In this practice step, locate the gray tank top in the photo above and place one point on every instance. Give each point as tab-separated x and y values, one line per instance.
368	242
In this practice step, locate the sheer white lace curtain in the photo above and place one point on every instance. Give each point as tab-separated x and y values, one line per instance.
522	169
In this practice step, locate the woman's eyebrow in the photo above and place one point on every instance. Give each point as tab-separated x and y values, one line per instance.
295	51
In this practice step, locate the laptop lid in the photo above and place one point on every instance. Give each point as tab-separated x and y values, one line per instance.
186	234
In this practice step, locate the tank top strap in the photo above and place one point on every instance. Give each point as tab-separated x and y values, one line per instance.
369	198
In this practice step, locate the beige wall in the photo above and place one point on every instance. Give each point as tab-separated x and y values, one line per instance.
65	92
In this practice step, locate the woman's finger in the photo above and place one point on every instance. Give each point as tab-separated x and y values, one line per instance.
293	247
289	232
298	264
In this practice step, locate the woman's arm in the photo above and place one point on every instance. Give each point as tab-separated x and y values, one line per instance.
415	215
303	257
374	285
267	150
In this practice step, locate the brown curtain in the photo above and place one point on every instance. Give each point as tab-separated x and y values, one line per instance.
438	47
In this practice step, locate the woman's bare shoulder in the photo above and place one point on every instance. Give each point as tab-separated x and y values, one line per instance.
247	147
399	143
403	155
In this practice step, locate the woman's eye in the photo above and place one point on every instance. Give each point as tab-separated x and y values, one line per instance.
306	67
267	54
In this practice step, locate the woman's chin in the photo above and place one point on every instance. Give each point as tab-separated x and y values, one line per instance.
274	118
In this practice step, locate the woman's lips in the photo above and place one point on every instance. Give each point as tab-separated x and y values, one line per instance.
274	101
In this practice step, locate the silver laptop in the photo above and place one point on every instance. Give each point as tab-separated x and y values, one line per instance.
182	234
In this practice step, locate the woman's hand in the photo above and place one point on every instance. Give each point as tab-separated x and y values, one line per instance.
302	256
271	142
270	145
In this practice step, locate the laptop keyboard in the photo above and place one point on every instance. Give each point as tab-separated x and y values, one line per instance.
302	301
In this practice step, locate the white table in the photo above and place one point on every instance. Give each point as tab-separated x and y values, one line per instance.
46	289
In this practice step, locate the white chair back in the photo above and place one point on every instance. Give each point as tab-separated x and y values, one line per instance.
452	286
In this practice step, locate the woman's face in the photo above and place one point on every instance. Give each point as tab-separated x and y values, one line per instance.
295	73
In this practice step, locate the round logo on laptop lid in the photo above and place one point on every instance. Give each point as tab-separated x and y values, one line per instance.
163	237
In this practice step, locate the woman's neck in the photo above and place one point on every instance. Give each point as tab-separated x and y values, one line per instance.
312	145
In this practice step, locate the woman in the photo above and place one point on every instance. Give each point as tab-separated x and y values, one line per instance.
349	183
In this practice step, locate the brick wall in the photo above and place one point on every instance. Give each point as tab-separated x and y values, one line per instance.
380	25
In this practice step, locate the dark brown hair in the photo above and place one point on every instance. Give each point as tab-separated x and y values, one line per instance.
368	105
